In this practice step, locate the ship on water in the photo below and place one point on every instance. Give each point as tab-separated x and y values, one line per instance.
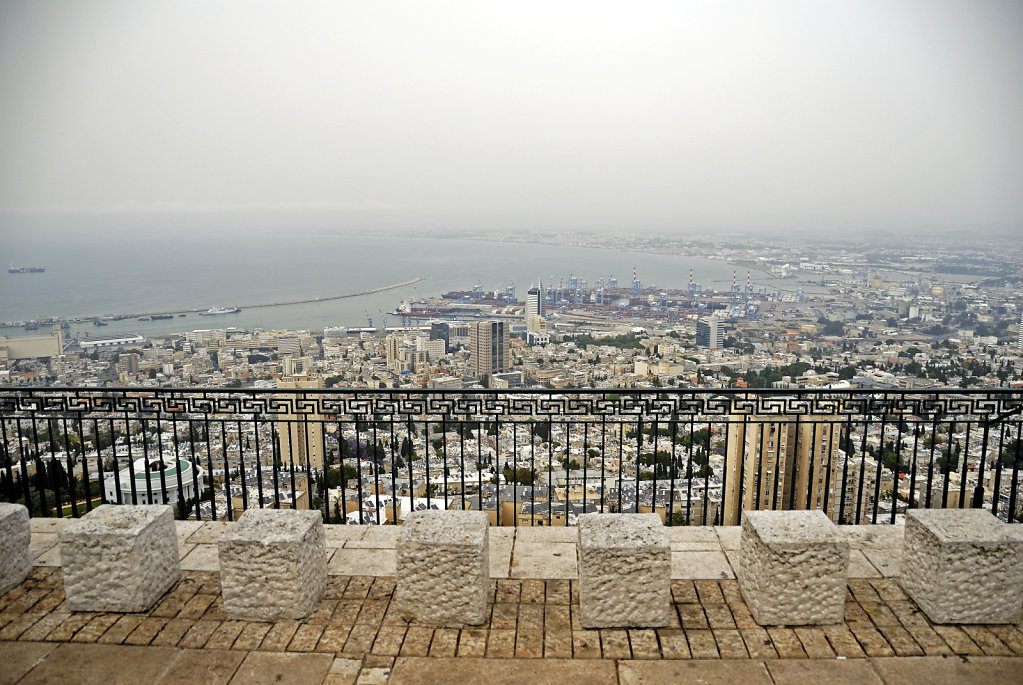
213	311
26	270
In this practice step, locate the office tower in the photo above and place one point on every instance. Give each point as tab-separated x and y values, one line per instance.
441	331
489	347
300	436
781	463
1020	342
536	302
710	333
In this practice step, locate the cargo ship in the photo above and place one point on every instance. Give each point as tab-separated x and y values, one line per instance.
26	270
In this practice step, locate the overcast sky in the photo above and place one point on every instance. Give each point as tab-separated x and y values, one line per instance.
676	115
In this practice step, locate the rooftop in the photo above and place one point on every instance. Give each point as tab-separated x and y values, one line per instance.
532	635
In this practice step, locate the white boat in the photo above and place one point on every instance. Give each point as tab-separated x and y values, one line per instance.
220	310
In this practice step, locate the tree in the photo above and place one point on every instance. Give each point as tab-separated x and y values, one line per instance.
521	476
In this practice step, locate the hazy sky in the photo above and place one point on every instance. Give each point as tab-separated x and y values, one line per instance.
677	115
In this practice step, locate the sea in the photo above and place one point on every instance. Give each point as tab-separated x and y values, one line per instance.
92	275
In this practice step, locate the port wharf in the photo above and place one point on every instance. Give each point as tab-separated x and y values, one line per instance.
265	305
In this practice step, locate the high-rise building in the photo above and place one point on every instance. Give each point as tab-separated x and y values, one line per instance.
536	302
781	463
489	348
1020	342
710	333
441	331
300	436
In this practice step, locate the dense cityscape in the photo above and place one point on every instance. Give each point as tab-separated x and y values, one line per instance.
816	317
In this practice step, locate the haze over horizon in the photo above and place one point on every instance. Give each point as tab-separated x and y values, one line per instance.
663	117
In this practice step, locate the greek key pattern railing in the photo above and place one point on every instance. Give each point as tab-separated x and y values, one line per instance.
528	457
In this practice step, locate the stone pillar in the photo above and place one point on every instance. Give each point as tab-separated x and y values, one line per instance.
119	557
443	568
793	567
273	564
15	536
963	566
624	571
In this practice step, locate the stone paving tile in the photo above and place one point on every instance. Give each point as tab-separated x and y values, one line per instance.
500	644
673	644
225	635
120	630
546	534
499	551
700	565
871	640
199	634
146	631
202	558
786	642
408	670
530	617
444	643
375	537
644	644
508	591
801	671
279	636
958	640
209	666
1011	636
344	671
18	658
417	641
71	625
172	632
557	642
729	536
614	643
900	640
504	616
559	592
683	591
974	671
44	626
252	636
282	667
702	644
528	644
389	639
91	663
718	616
586	644
471	643
333	638
548	560
758	642
987	641
363	562
730	643
746	671
692	617
815	642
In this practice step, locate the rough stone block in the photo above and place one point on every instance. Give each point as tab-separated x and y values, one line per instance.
624	571
119	557
273	564
963	566
443	568
793	567
15	539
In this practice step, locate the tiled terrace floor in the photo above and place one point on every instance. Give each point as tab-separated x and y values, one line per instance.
354	636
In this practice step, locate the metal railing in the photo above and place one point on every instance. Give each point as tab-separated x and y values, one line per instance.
527	457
